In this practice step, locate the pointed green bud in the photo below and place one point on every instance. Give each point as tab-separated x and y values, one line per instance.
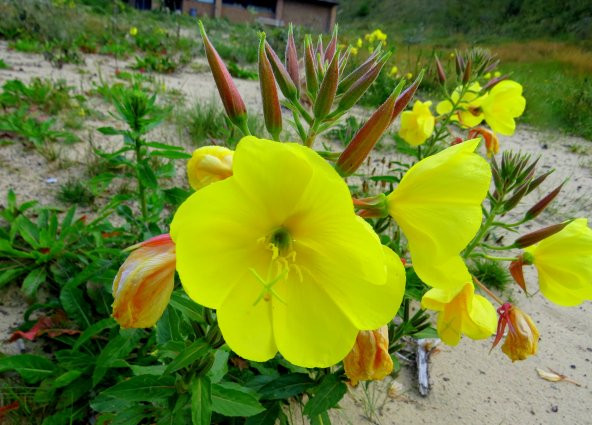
332	46
357	73
440	71
327	91
310	68
272	111
539	235
355	92
405	97
540	206
292	59
281	74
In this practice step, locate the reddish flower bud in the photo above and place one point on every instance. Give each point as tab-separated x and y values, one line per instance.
540	206
332	46
281	74
310	68
357	73
494	81
440	71
372	207
460	64
467	72
539	235
231	99
292	59
353	94
319	52
328	89
517	272
364	140
272	112
405	97
536	182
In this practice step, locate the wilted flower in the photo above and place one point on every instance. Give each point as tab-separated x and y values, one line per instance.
417	125
209	164
369	359
503	103
523	336
470	113
437	204
133	31
462	312
491	140
564	264
144	282
279	252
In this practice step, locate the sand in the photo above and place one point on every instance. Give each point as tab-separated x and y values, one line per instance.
468	385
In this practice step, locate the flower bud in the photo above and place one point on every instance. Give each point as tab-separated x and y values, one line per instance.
540	206
353	94
328	89
310	68
144	282
209	164
523	336
272	111
372	207
231	99
364	140
491	83
369	358
540	179
440	70
405	97
332	46
292	59
357	73
460	64
467	72
517	272
282	77
539	235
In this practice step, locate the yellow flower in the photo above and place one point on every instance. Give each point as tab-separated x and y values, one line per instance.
417	125
354	51
564	264
463	312
394	70
133	31
278	251
487	76
470	112
497	74
209	164
379	35
437	204
523	336
503	103
491	140
409	75
370	358
144	282
452	55
359	43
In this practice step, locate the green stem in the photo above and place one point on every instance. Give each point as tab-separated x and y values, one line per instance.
480	234
491	257
312	134
141	188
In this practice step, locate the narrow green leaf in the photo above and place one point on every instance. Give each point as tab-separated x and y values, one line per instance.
93	330
142	388
10	275
328	394
32	368
286	386
190	354
201	401
220	366
268	417
66	378
170	154
234	402
76	307
187	307
32	282
321	419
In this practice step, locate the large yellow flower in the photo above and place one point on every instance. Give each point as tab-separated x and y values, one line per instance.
461	313
279	252
417	125
470	113
503	103
564	264
438	207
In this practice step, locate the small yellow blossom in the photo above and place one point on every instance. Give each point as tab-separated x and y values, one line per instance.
359	43
470	113
503	103
209	164
144	282
452	55
487	76
497	74
564	264
370	358
437	205
133	31
279	252
418	124
462	312
409	75
354	51
393	71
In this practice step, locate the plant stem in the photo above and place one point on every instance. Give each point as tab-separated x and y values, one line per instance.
482	231
141	188
487	291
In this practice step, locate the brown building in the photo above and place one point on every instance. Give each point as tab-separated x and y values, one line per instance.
319	15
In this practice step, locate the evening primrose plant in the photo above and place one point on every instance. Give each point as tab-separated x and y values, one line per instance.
295	279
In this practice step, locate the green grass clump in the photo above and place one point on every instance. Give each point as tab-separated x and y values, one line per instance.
492	273
74	192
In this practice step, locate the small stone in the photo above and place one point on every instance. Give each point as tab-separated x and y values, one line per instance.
554	408
573	366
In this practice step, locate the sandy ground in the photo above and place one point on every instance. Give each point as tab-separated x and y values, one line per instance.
469	386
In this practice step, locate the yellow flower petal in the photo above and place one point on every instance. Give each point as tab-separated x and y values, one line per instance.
438	207
503	103
417	125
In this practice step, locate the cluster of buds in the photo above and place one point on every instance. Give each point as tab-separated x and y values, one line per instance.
470	65
324	94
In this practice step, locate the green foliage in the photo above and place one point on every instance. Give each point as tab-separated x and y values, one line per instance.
493	274
49	96
74	192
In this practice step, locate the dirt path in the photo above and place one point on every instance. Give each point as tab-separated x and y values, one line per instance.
469	386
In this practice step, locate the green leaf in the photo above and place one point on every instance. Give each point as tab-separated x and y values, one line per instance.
72	300
110	131
321	419
8	276
168	327
131	415
268	417
148	370
66	378
170	154
328	394
187	307
143	388
220	366
201	401
32	282
286	386
234	402
158	145
190	354
146	175
118	348
428	332
32	368
93	330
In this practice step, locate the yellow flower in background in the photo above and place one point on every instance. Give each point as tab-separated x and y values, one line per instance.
409	75
470	113
376	35
354	51
437	204
503	103
564	264
209	164
278	251
497	74
462	312
523	336
418	124
133	31
393	71
487	76
144	282
452	55
370	358
359	43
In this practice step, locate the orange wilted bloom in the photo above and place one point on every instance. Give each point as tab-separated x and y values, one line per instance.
491	140
144	282
369	359
523	336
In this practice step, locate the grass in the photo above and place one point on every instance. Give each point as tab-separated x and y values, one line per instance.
73	192
492	273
